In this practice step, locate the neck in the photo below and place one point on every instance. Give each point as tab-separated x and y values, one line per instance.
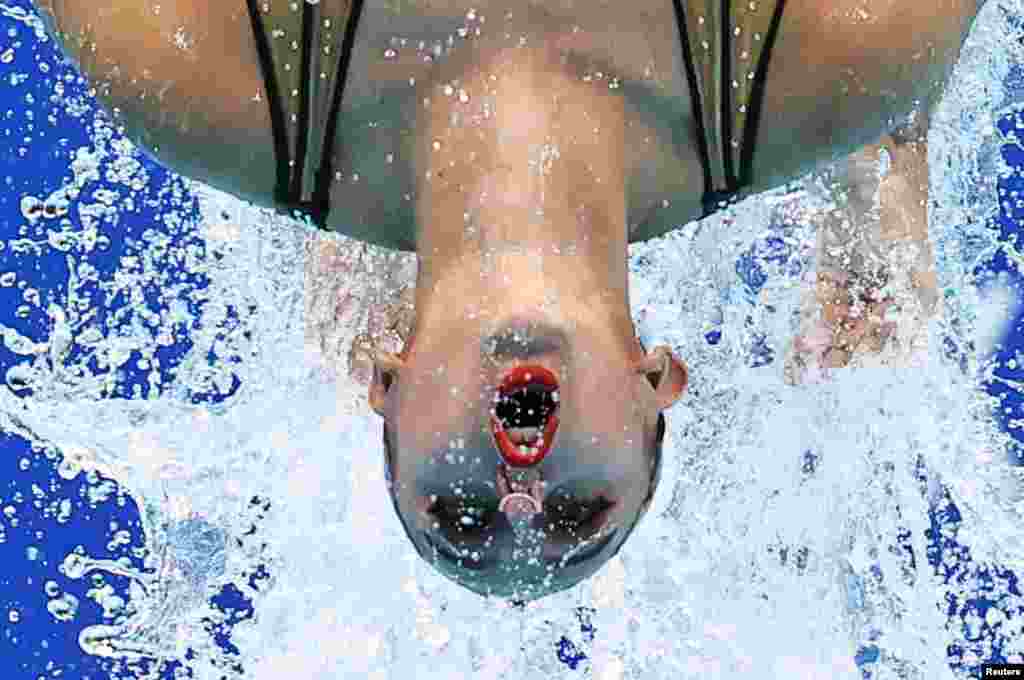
521	196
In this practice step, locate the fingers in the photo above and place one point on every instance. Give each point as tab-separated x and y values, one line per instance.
860	324
843	332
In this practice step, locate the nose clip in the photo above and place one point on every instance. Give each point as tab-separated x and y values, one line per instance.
519	508
521	492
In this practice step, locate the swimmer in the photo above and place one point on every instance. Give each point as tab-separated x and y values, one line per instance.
518	148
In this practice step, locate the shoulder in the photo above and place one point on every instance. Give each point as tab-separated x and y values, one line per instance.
182	77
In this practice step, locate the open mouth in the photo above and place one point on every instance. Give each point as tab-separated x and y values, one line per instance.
524	415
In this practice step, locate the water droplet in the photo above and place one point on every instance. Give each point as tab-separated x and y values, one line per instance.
8	56
13	616
437	145
68	469
64	510
63	608
31	208
463	96
73	565
389	53
449	90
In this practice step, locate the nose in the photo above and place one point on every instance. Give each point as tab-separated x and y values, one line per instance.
521	493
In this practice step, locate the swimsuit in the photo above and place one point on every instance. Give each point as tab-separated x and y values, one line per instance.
304	49
727	79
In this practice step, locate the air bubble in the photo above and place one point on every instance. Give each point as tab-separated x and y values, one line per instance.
31	208
63	608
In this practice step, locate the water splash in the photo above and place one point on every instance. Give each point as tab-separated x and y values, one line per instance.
787	536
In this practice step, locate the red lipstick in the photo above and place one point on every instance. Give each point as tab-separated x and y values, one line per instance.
538	379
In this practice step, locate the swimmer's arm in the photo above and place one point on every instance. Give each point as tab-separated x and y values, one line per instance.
876	281
181	78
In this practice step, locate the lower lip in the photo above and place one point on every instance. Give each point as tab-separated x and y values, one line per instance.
512	454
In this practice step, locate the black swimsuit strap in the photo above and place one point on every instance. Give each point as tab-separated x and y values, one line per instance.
715	198
273	96
288	189
325	175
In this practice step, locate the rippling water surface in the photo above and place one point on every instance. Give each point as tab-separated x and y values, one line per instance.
197	485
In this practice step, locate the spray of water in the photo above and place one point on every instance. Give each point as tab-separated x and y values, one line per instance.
788	531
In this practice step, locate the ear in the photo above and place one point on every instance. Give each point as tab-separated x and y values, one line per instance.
666	373
386	368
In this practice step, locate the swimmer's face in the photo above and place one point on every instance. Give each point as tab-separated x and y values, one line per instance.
598	468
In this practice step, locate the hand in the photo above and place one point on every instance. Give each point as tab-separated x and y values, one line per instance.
848	327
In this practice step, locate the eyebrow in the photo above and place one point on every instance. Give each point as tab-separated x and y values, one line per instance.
441	486
585	553
487	557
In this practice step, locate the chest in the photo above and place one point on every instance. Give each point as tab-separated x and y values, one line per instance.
839	75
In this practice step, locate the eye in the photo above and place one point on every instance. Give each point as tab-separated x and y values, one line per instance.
569	515
463	516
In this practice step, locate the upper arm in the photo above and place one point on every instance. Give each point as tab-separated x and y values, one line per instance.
181	76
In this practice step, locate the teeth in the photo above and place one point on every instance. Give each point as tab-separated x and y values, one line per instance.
554	396
522	435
